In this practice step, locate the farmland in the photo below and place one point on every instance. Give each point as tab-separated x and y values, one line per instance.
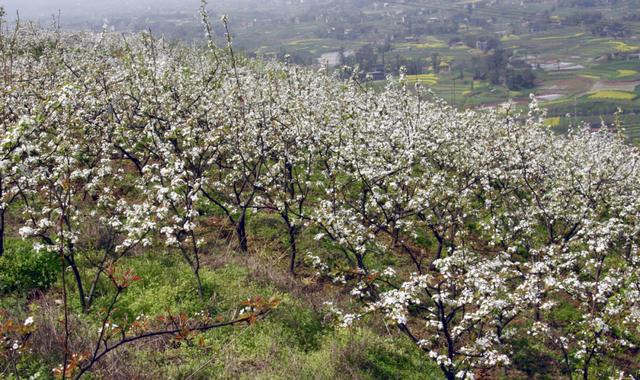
578	57
578	71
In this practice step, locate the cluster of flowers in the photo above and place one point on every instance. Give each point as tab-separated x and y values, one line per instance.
503	223
14	337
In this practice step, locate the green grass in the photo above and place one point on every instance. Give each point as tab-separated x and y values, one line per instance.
294	340
22	269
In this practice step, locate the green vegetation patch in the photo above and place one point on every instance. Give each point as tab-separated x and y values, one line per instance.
626	73
623	47
613	95
509	37
552	121
428	79
428	43
23	269
294	339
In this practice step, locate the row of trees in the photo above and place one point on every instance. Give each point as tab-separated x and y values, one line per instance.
507	227
107	149
470	231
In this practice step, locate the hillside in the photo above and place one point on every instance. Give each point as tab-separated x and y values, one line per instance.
181	211
580	57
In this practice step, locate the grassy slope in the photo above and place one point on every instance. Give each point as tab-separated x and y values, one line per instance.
297	340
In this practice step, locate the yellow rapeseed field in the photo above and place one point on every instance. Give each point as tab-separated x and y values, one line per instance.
612	94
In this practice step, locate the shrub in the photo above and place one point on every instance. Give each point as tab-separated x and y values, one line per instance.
23	269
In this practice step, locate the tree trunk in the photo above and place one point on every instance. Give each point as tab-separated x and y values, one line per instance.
196	266
241	231
78	278
2	211
94	284
1	232
360	259
196	273
292	231
450	375
292	245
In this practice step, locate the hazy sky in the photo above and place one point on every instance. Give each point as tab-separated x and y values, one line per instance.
38	9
